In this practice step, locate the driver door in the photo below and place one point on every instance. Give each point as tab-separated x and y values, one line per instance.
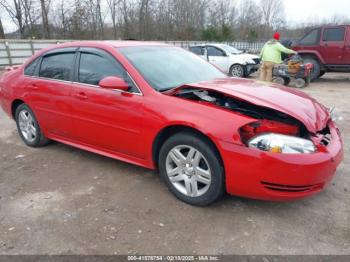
105	119
218	57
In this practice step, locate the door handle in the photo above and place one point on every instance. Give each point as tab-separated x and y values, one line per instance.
32	86
81	96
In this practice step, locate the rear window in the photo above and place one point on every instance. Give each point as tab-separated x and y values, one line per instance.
333	34
197	50
57	66
30	69
311	38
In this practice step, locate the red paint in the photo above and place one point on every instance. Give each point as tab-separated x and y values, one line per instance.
112	82
124	125
332	55
266	126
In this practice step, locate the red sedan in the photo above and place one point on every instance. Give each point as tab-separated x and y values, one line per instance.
162	107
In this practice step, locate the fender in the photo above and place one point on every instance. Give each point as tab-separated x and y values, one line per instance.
312	52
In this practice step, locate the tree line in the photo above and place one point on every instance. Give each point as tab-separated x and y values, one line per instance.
208	20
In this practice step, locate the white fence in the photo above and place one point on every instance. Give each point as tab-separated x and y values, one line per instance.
14	52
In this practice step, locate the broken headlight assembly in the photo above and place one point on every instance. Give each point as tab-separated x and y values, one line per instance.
277	143
276	137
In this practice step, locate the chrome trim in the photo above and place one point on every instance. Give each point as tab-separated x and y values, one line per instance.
94	86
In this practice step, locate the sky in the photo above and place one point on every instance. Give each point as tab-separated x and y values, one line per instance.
297	11
302	10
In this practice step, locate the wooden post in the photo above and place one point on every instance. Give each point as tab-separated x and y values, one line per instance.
8	52
31	46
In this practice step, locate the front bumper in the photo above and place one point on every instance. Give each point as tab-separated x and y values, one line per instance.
251	68
262	175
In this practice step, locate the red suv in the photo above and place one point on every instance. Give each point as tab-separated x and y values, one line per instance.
327	48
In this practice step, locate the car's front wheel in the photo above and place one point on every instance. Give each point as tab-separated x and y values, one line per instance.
237	70
28	127
192	169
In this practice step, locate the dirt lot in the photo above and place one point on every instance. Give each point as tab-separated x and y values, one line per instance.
61	200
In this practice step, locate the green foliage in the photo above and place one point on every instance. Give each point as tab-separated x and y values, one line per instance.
210	34
217	34
252	35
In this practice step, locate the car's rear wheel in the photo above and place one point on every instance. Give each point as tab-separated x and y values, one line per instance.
237	70
28	127
192	169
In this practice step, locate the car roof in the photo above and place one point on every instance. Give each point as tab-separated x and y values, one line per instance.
210	44
109	43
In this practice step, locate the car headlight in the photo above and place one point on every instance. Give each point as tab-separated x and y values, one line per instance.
276	143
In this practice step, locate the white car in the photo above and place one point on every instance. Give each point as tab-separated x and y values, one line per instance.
229	59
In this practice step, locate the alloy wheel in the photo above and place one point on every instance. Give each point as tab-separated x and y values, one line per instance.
237	70
27	126
188	170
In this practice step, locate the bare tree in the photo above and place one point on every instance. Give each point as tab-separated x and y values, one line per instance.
2	33
249	20
15	11
44	15
113	9
273	15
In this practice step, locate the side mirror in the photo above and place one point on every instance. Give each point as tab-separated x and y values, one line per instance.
114	82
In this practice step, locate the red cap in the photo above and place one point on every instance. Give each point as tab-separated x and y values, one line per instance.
276	36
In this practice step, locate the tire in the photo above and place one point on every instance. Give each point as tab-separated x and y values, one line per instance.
286	81
300	83
191	169
28	127
237	70
316	70
279	80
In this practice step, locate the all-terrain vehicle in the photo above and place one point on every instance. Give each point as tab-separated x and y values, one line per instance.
295	69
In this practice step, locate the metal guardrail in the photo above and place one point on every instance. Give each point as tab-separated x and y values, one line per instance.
15	51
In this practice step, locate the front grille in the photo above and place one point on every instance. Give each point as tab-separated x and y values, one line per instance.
290	188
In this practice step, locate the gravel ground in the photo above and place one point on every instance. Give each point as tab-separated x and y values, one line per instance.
61	200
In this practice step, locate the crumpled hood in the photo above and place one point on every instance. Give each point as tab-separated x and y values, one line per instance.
248	56
287	100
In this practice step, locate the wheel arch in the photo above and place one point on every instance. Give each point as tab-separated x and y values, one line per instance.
312	54
14	105
168	131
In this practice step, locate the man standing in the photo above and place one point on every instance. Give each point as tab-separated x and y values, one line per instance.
271	55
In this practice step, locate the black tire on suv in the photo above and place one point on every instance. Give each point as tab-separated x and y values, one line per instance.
316	71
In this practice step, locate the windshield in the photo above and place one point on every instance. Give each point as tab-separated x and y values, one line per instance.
231	49
168	67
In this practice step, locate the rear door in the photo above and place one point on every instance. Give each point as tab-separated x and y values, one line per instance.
50	87
199	50
105	119
333	45
346	58
218	57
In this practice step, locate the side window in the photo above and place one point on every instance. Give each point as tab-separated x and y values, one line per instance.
197	50
30	69
213	51
94	67
311	38
333	34
57	66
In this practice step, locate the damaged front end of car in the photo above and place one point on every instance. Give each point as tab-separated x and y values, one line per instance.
271	130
